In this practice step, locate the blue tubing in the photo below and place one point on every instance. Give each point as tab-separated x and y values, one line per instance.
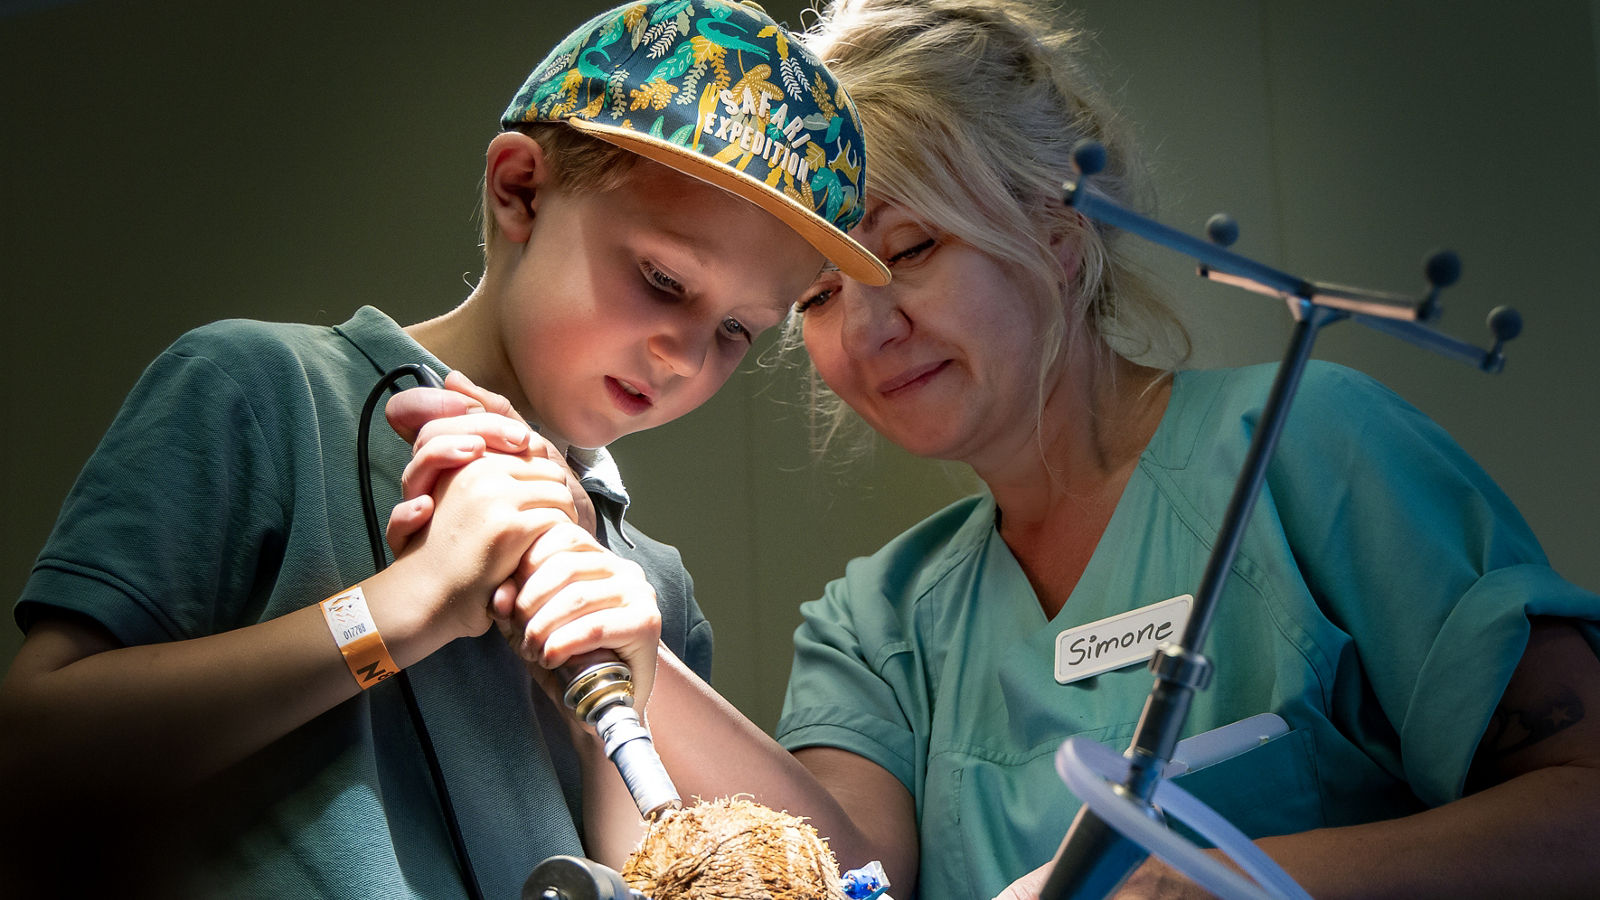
1086	767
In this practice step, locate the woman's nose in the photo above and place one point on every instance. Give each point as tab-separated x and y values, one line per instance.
872	320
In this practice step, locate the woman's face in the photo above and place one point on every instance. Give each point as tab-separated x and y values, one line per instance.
943	360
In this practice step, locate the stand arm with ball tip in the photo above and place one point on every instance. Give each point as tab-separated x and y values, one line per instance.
1096	857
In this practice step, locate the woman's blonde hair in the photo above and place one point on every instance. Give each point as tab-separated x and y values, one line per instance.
971	110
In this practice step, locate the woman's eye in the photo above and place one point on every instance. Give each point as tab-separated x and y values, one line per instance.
733	328
912	252
814	300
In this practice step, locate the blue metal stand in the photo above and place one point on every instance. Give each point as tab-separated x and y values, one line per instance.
1096	858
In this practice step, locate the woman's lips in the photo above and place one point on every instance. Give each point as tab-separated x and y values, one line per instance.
912	376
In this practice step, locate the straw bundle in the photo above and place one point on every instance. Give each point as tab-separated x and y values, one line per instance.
733	849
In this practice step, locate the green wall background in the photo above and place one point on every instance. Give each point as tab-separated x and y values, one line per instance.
164	163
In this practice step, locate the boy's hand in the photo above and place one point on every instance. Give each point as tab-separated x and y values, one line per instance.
409	410
449	428
487	514
577	596
568	594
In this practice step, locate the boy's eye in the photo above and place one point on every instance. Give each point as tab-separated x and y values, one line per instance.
733	328
912	252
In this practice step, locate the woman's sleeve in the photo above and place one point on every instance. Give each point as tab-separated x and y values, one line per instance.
1411	548
849	687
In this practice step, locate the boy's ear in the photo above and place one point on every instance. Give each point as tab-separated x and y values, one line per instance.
513	175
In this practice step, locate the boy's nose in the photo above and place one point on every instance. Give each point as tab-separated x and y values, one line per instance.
682	346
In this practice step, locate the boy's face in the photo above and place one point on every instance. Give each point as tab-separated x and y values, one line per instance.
629	308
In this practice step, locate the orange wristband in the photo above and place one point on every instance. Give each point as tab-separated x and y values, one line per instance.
358	638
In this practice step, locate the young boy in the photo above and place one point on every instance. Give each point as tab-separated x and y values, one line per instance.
186	718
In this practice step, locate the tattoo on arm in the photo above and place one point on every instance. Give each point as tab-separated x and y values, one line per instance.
1515	726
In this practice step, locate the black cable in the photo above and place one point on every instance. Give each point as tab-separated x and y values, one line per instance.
380	561
427	378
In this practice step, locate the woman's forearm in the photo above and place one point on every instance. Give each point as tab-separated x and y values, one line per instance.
1530	836
712	750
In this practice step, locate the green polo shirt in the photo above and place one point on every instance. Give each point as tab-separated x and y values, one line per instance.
225	494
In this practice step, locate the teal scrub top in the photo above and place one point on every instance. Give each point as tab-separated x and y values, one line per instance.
1378	604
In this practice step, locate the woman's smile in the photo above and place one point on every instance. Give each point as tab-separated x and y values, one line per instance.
914	377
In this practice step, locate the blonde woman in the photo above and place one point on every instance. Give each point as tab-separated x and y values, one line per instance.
1434	698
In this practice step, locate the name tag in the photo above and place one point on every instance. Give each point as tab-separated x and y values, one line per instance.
1121	640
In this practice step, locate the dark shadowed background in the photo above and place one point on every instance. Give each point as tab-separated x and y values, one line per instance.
164	163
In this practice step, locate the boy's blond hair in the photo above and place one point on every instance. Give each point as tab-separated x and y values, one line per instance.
577	161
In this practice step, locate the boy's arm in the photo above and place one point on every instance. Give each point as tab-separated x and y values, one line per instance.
88	721
179	712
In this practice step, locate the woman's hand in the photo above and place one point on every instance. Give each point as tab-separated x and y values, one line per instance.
1153	880
1028	886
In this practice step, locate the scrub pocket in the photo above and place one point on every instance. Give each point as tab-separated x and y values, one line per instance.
1266	790
991	817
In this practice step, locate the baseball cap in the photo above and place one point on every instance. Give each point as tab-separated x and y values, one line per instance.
719	91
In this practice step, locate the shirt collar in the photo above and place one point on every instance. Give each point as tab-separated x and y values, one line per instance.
598	473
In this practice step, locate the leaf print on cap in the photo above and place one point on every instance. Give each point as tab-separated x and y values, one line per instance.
778	38
669	11
654	94
755	81
725	36
674	65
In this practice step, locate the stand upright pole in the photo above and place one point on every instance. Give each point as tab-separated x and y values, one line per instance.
1094	857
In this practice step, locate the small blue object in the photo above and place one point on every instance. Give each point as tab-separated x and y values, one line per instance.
1222	230
1505	323
1442	268
1089	156
865	883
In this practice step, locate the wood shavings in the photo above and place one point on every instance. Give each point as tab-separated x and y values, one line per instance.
733	849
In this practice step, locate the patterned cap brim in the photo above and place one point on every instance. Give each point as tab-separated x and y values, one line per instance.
843	251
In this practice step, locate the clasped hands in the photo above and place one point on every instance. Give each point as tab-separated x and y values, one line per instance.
485	495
